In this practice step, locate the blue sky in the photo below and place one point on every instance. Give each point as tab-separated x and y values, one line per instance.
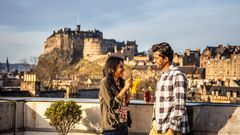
25	24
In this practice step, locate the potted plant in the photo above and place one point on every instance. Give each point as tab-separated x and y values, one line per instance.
63	115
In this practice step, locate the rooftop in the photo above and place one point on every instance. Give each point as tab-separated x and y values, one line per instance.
204	118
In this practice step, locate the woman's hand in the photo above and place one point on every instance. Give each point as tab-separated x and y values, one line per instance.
128	83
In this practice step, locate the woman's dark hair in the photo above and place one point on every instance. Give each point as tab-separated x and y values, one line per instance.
164	50
111	65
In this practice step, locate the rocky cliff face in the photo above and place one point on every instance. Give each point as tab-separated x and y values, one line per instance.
61	63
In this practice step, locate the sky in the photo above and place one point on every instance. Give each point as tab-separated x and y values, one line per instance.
26	24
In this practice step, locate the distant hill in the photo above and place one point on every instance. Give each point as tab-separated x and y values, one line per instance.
2	66
18	66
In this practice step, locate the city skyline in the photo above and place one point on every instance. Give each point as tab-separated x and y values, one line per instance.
26	24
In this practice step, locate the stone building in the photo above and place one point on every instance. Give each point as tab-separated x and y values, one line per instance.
130	49
92	48
126	51
190	58
178	59
220	94
222	62
193	72
66	39
142	60
30	84
62	83
111	45
88	44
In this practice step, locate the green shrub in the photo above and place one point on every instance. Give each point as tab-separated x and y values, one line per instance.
63	115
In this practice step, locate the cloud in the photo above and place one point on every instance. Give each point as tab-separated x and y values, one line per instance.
196	26
185	24
17	45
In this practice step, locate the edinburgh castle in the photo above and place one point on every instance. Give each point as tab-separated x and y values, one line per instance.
88	44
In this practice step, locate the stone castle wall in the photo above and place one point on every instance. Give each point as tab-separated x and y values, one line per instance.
62	41
92	47
87	44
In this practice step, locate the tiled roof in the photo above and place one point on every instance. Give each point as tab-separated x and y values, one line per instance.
145	67
191	69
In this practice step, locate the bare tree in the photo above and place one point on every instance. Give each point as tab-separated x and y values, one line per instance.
26	64
29	63
50	66
33	61
47	70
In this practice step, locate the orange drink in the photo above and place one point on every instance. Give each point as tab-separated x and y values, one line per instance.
135	85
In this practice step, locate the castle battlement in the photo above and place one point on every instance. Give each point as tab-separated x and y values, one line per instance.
93	40
87	43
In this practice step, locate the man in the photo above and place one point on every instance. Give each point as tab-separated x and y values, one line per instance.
170	116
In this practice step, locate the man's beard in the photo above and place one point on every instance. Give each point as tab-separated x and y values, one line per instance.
160	67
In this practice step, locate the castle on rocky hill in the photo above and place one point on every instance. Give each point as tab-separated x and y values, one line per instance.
89	44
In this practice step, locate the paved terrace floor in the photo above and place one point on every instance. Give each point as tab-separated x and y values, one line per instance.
204	118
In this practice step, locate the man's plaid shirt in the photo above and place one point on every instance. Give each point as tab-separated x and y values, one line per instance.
169	108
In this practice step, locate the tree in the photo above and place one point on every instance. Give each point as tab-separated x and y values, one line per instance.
29	63
33	61
63	115
50	66
26	64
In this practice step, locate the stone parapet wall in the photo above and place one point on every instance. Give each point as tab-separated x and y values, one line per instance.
204	118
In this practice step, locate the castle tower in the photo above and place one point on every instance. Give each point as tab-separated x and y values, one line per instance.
92	48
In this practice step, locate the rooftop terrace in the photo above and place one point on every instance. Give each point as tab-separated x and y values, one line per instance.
24	116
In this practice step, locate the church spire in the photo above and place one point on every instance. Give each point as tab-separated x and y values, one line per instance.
7	69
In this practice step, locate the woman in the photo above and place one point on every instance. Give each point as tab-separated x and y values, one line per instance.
114	97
